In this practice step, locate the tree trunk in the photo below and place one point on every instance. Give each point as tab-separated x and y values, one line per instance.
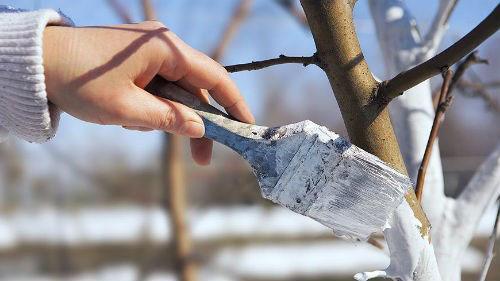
175	201
369	127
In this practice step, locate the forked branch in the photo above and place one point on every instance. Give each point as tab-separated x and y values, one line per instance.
396	86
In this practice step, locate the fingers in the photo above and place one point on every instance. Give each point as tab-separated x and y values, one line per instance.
201	94
137	108
191	67
201	150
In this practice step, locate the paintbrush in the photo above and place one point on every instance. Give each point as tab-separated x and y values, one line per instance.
306	168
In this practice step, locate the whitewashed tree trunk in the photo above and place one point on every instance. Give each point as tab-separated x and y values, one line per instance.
412	113
454	221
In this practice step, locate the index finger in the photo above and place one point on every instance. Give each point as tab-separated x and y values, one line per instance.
192	67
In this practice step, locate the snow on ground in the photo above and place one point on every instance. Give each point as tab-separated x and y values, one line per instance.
252	221
336	258
125	224
120	272
333	258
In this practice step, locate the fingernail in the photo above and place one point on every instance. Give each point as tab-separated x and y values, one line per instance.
192	129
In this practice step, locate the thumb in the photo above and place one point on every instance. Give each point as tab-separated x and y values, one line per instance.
145	110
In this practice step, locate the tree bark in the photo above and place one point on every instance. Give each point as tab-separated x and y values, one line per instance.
339	53
175	201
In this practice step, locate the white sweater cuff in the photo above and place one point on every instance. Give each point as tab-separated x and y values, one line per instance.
24	109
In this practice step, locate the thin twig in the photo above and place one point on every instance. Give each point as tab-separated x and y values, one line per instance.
466	86
239	15
444	102
490	252
445	98
394	87
475	85
492	84
478	89
121	11
468	61
282	59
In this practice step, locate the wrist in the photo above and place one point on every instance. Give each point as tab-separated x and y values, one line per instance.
56	61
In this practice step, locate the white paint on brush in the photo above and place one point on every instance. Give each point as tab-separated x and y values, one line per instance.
336	183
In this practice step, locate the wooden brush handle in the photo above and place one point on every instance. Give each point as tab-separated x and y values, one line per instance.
219	126
168	90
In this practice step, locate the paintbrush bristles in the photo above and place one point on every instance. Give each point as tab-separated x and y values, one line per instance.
335	182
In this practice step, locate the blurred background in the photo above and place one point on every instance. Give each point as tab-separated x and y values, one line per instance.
104	203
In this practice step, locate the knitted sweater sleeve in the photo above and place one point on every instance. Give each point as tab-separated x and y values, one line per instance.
24	109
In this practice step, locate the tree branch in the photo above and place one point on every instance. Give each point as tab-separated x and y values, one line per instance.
282	59
484	186
463	214
480	90
493	84
396	86
121	11
466	63
239	15
490	252
445	100
439	23
477	85
148	10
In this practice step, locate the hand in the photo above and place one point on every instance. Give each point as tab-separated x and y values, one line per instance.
97	74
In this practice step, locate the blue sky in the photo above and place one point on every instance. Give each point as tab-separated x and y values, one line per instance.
268	32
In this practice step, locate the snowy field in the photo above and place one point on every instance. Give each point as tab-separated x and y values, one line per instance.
126	224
